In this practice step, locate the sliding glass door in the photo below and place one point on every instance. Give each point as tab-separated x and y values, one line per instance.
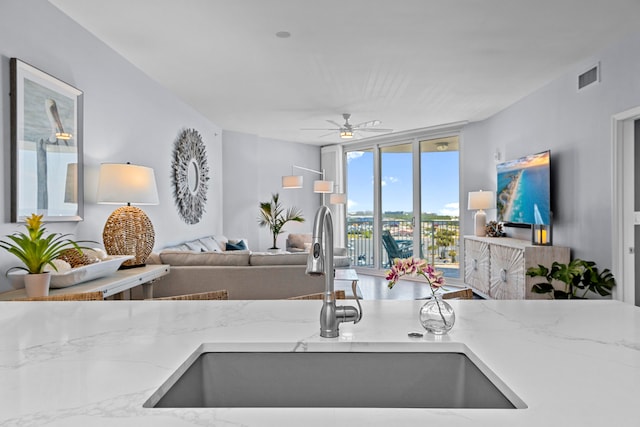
396	187
403	201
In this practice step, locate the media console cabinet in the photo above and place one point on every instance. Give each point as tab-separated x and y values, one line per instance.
496	266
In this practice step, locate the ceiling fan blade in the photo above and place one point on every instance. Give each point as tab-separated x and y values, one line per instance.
370	123
374	130
319	129
327	134
334	123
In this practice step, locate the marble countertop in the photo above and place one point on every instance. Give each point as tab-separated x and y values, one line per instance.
96	363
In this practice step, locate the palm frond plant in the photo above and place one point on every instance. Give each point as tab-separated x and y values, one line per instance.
274	216
577	276
36	250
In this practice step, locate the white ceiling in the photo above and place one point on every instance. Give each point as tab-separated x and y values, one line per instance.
409	63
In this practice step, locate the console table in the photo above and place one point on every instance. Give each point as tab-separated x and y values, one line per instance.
112	285
496	266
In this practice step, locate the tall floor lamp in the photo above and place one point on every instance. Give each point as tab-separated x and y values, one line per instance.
319	186
128	230
295	181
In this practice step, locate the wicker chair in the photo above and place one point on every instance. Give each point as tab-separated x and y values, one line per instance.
466	293
87	296
213	295
339	294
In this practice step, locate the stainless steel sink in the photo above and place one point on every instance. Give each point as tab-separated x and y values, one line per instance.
412	375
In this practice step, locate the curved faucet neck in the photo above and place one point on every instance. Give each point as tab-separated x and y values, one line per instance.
320	260
323	230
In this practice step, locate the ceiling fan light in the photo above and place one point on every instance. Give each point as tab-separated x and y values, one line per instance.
346	134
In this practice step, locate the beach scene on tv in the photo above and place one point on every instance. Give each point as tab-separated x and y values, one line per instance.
523	193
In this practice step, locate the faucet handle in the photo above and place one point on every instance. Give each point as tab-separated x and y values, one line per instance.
348	313
354	285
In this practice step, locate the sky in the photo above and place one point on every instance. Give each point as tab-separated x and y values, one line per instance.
440	182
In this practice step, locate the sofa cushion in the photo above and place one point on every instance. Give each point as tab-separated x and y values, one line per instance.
180	247
298	241
235	258
196	246
211	244
261	258
154	258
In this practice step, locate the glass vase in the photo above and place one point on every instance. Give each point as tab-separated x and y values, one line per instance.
437	316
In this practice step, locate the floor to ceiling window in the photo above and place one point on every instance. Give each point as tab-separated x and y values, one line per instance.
360	195
439	204
403	201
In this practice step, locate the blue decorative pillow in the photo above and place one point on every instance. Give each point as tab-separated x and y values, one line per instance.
238	246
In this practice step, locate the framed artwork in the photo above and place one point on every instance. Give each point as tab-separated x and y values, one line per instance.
46	146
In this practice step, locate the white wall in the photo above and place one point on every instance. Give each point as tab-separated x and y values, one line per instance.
253	170
576	126
127	117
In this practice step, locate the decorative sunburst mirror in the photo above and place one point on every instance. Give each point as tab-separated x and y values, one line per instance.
190	175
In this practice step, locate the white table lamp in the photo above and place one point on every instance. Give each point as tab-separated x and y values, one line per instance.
478	201
128	230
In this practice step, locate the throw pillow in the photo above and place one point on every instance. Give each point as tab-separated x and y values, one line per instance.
238	246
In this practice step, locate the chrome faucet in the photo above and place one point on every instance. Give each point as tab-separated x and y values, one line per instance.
320	262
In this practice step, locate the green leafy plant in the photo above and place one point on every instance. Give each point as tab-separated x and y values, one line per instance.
274	216
578	276
35	249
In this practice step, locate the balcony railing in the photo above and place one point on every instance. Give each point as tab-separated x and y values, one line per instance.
439	242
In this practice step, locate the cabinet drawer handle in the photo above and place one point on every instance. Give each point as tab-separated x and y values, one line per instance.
503	275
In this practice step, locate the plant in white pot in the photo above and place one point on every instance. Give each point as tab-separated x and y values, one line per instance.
273	215
36	251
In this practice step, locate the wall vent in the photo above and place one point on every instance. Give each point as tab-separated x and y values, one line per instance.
589	77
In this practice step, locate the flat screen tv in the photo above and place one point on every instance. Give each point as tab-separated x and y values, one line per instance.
523	195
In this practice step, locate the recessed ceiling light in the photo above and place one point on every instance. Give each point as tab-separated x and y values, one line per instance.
283	34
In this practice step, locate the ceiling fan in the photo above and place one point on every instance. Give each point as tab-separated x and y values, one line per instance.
347	130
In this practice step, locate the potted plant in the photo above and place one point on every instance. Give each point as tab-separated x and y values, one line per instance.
273	215
36	251
578	275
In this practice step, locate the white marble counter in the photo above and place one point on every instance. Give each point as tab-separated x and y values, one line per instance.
95	363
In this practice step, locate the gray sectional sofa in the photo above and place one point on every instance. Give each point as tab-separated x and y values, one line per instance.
205	265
